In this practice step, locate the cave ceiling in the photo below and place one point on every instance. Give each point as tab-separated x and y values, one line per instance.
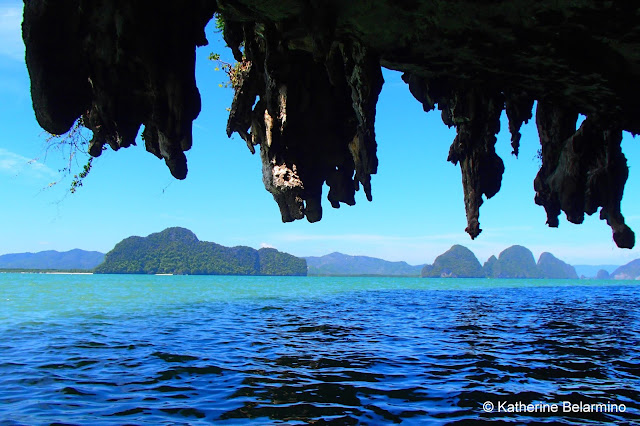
309	76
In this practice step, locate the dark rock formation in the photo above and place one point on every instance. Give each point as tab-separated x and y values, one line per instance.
314	119
307	89
582	170
602	275
550	266
118	65
513	262
457	262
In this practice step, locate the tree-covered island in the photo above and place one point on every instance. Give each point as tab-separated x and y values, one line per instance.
178	251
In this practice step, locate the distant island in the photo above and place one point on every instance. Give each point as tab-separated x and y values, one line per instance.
513	262
630	271
346	265
178	251
460	262
457	262
52	260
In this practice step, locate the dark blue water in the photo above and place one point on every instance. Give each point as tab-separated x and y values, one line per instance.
192	350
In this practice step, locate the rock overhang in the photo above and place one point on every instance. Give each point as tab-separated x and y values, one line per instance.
308	87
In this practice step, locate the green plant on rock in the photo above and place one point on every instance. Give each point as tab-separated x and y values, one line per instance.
73	146
235	72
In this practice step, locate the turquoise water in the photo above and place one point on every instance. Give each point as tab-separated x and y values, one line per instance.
123	349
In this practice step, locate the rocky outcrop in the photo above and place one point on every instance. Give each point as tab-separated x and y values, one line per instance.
550	266
513	262
602	275
307	88
178	251
118	65
314	120
490	267
457	262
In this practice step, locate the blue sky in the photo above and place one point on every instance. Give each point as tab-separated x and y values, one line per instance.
417	210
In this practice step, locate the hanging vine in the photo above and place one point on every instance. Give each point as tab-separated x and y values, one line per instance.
73	147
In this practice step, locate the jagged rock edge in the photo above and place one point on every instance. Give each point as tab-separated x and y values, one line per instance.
161	94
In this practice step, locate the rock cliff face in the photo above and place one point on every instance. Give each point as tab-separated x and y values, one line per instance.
513	262
550	266
457	262
307	89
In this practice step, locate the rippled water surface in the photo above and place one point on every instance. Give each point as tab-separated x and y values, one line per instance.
192	350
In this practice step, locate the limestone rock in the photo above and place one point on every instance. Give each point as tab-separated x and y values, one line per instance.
118	65
457	262
310	77
513	262
550	266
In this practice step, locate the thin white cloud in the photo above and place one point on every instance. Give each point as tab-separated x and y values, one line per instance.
11	32
266	245
13	164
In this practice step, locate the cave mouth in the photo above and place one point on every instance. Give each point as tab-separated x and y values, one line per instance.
309	76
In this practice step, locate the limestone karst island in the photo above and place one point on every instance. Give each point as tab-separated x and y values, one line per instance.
308	76
178	251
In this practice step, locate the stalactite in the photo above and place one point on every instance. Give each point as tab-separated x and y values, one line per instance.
309	78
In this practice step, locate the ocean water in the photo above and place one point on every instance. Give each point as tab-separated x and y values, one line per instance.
189	350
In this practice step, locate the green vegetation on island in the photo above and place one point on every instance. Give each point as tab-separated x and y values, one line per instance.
513	262
457	262
550	266
490	267
178	251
